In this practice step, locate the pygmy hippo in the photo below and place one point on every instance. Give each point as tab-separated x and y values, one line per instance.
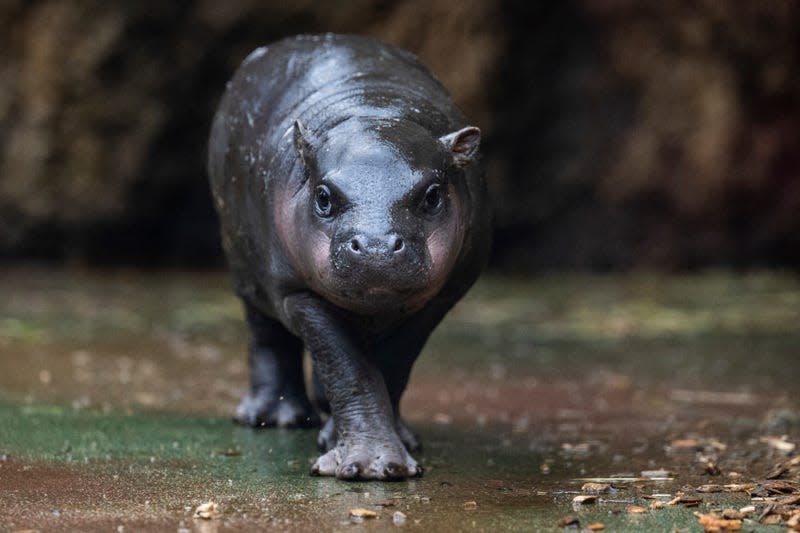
354	216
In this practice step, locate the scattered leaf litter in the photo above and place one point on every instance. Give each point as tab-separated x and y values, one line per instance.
208	511
360	512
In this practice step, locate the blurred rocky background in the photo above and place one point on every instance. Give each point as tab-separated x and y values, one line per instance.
618	134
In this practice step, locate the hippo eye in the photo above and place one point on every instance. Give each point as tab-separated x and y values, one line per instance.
433	202
322	201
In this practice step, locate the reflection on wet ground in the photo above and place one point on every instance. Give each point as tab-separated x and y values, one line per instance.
116	392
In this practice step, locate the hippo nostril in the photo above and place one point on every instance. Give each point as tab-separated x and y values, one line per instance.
399	245
355	246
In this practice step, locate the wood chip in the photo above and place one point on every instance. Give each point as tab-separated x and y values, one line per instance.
360	512
738	487
597	526
685	444
208	511
712	522
768	510
794	521
635	509
777	471
780	487
585	499
568	521
709	488
656	505
470	505
596	488
733	514
684	499
794	499
779	443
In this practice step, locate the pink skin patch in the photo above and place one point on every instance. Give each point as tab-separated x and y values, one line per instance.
308	251
320	245
444	246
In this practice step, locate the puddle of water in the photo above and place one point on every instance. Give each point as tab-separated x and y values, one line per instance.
118	389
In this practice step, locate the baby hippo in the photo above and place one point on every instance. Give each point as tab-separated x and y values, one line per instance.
354	216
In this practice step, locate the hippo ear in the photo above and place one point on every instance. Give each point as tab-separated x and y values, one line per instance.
463	144
303	147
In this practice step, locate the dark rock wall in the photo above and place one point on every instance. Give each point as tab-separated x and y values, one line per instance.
618	134
709	164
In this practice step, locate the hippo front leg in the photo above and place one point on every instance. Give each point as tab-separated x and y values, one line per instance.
367	445
395	356
395	377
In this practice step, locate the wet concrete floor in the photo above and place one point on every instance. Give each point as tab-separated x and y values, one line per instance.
116	391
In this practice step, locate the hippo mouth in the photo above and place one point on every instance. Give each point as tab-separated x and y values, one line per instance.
383	292
379	293
366	278
378	299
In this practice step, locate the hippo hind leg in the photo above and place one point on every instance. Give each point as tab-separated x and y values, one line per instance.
277	396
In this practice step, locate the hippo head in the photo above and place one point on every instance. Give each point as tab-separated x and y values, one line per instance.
385	206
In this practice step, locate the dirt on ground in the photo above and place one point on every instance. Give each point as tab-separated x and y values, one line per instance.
586	403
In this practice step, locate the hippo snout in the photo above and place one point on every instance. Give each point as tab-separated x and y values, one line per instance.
391	261
388	247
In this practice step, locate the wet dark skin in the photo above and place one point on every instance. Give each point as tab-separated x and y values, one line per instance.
354	216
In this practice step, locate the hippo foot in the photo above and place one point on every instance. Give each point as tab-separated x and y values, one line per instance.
327	436
264	409
367	460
